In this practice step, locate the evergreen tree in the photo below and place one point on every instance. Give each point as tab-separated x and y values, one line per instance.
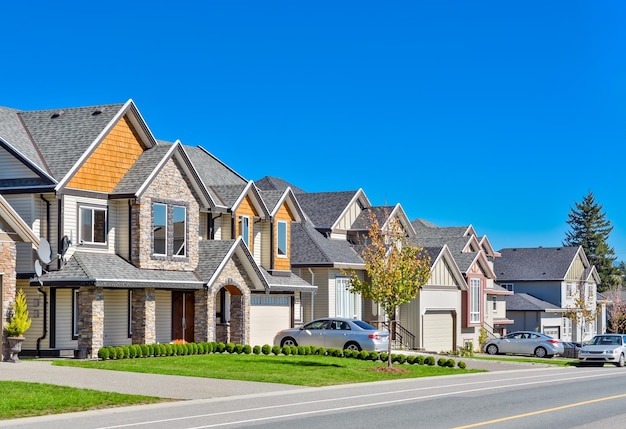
591	229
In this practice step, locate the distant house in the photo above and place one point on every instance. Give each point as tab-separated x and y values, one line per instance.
533	314
561	276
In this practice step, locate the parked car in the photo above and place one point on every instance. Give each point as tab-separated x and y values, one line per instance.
571	349
336	332
525	343
604	348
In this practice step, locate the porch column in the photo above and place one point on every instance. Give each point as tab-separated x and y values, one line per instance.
204	311
8	288
143	316
90	321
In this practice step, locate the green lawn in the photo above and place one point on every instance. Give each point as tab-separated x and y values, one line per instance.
552	361
299	370
20	399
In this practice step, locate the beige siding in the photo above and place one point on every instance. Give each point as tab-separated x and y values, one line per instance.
202	227
71	224
35	303
350	216
163	300
64	320
24	206
11	168
116	317
266	250
257	242
119	234
575	272
441	275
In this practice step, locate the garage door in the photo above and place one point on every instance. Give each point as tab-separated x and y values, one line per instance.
438	331
268	315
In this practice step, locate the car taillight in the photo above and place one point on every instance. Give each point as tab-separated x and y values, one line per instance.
374	336
554	341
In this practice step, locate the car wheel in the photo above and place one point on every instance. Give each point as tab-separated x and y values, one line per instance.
492	349
352	346
620	362
540	352
288	341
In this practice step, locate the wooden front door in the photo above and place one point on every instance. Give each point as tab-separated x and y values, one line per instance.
182	316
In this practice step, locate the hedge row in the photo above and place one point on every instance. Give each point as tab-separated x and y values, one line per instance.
159	350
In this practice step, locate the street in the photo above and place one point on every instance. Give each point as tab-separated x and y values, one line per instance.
543	397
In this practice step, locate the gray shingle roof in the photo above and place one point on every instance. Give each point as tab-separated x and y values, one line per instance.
227	195
109	270
287	282
324	208
268	183
526	302
211	254
211	170
141	169
381	213
13	132
537	263
309	248
429	231
271	198
63	139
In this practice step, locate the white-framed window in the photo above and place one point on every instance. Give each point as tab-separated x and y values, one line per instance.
244	229
346	302
159	229
75	313
281	232
571	290
474	300
93	225
494	303
508	286
179	228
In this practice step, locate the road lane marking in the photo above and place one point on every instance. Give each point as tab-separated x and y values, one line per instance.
320	401
534	413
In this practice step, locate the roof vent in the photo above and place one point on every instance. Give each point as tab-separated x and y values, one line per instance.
57	114
96	112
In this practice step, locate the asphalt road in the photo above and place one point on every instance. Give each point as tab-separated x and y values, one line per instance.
522	398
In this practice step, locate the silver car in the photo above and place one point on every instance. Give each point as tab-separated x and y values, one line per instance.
335	332
525	343
604	348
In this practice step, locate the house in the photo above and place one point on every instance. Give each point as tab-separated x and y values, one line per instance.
149	241
483	301
327	248
13	232
529	314
561	276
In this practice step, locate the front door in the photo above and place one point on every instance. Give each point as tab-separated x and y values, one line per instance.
182	316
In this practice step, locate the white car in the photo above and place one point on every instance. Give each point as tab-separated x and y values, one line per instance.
605	348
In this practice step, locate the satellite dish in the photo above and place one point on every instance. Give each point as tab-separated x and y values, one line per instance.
38	269
44	251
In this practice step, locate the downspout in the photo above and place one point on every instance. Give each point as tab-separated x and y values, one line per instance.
45	320
312	293
272	244
130	231
59	228
233	233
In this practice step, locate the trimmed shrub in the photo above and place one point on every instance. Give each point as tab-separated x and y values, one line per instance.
192	348
400	358
266	349
294	350
321	351
112	352
347	353
441	361
364	355
286	350
313	350
144	350
302	350
276	350
383	356
230	347
120	352
461	364
239	348
429	360
103	353
307	350
256	350
373	356
169	349
450	363
247	349
419	359
220	347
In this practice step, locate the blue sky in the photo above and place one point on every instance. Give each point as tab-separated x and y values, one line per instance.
491	113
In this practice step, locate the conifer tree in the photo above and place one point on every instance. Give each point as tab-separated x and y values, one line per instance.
591	229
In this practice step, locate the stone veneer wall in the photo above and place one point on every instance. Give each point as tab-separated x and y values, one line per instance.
90	321
169	187
7	266
144	316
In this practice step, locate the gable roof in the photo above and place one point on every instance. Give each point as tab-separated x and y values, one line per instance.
269	183
325	209
275	199
310	248
383	214
536	263
442	254
526	302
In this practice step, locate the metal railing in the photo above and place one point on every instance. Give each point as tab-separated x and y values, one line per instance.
399	336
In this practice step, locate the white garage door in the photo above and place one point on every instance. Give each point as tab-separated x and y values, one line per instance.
438	331
268	315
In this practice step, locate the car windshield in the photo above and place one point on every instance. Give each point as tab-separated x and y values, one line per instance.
361	324
609	340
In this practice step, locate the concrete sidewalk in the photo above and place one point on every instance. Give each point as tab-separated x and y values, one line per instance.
163	386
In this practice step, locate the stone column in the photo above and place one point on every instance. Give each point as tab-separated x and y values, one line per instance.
204	311
90	321
8	254
143	316
237	319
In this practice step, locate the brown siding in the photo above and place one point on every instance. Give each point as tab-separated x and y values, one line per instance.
246	209
112	158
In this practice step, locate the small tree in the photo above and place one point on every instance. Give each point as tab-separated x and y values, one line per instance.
583	311
19	322
395	269
616	312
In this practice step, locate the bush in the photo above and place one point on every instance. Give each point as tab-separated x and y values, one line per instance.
364	355
230	347
400	359
461	364
450	363
302	350
441	361
276	350
321	351
419	359
266	349
286	350
256	350
313	350
145	350
384	356
373	356
120	352
220	347
193	348
169	349
112	352
247	349
103	353
348	353
294	350
335	352
429	360
239	348
411	359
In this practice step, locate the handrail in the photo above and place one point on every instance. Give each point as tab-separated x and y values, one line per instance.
400	336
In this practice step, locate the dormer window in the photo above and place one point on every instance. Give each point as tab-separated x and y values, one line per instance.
281	232
93	225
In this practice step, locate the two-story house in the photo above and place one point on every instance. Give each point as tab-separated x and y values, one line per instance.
148	241
559	286
483	301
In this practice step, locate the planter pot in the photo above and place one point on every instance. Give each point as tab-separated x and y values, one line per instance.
15	347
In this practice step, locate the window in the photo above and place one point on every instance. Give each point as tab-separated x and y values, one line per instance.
244	229
494	304
346	302
159	229
508	286
474	300
571	290
282	238
93	223
180	230
75	310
